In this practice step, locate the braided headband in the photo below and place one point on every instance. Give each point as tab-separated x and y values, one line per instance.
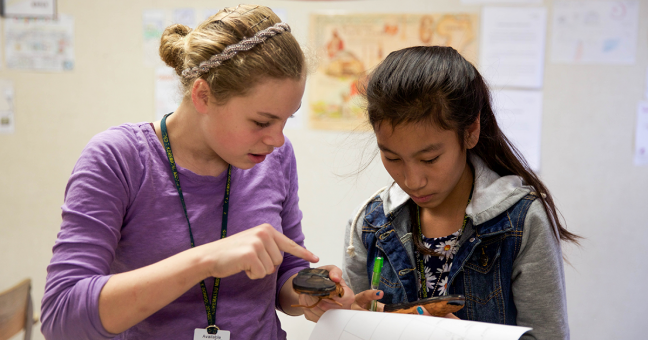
231	50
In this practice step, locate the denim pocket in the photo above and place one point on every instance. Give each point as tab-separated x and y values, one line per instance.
483	282
485	255
391	287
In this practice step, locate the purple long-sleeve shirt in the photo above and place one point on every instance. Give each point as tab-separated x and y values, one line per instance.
122	212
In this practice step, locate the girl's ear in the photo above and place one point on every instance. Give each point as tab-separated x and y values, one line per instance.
200	94
472	133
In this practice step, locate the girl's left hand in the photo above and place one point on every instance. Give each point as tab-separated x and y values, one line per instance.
313	314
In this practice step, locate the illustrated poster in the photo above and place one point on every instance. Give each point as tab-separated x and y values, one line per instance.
40	44
349	46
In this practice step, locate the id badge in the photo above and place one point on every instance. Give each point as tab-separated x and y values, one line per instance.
201	334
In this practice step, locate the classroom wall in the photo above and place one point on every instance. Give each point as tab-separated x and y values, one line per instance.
587	144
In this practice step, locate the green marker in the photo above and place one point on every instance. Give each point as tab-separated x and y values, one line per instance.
375	280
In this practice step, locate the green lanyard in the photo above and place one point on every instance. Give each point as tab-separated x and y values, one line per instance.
423	293
210	307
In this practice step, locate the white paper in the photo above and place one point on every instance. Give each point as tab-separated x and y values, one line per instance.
513	46
40	44
519	116
153	24
168	93
501	1
30	8
641	135
185	16
340	324
595	32
6	106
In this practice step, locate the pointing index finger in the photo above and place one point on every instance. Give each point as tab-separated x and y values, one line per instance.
289	246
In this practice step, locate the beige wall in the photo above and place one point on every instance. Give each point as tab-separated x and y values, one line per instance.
588	133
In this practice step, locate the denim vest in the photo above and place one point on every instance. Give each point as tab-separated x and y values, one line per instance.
481	269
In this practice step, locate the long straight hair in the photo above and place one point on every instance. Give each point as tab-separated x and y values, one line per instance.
435	84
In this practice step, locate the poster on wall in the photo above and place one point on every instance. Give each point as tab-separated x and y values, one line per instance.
349	46
512	47
595	32
40	44
29	8
519	115
6	106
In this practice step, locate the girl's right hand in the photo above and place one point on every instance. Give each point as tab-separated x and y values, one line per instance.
257	251
363	300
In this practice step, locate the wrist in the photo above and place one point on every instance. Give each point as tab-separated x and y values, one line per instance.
200	263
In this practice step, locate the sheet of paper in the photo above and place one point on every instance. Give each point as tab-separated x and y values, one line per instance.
641	135
342	324
30	8
595	32
519	115
168	93
6	106
513	46
40	44
153	24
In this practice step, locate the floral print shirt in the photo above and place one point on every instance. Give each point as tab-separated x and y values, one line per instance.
437	268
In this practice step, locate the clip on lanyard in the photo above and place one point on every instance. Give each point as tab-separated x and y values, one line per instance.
210	307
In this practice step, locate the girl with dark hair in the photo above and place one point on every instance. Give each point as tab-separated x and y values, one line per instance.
465	214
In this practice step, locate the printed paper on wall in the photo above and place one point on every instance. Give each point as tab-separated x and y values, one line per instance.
40	44
349	46
45	9
595	32
513	46
519	115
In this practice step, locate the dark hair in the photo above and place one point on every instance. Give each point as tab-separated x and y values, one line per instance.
436	84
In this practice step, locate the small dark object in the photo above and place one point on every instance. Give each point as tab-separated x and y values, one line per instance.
316	282
483	259
436	306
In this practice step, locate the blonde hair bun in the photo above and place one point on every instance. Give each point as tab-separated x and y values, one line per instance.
172	49
277	57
